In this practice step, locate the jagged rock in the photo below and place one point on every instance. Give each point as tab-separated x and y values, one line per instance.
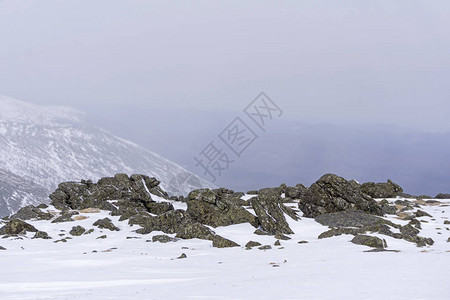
41	235
295	192
260	232
16	226
221	242
387	189
332	193
74	195
182	256
162	238
66	216
409	233
442	196
270	210
208	207
409	230
280	236
371	241
77	230
30	212
252	244
416	223
277	243
106	223
421	213
102	237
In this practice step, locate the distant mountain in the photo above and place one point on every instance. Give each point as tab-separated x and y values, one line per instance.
41	146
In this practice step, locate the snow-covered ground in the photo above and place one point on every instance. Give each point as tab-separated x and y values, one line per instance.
126	266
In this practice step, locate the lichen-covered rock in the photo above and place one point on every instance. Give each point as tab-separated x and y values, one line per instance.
106	223
162	238
209	207
85	194
221	242
387	189
77	230
332	193
252	244
183	255
169	222
16	226
265	247
387	208
370	241
30	212
41	235
270	211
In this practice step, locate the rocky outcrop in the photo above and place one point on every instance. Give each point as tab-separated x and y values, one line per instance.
332	193
217	209
85	194
270	211
387	189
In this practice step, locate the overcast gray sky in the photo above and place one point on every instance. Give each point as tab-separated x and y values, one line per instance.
352	61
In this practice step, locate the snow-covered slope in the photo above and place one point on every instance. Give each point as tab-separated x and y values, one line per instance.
49	145
127	265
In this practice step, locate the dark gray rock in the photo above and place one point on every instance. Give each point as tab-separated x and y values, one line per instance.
332	193
265	247
370	241
221	242
182	256
387	189
16	226
106	223
2	248
350	218
295	192
102	237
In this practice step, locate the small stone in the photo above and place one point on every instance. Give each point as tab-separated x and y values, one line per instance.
421	213
446	222
182	256
252	244
41	235
162	238
106	223
371	241
277	243
260	232
302	242
62	240
2	248
265	247
77	230
102	237
280	236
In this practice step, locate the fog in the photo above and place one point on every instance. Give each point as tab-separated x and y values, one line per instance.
363	86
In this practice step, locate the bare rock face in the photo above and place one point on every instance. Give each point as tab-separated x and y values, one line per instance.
270	210
387	189
332	193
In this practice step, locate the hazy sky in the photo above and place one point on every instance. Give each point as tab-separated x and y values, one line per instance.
352	61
